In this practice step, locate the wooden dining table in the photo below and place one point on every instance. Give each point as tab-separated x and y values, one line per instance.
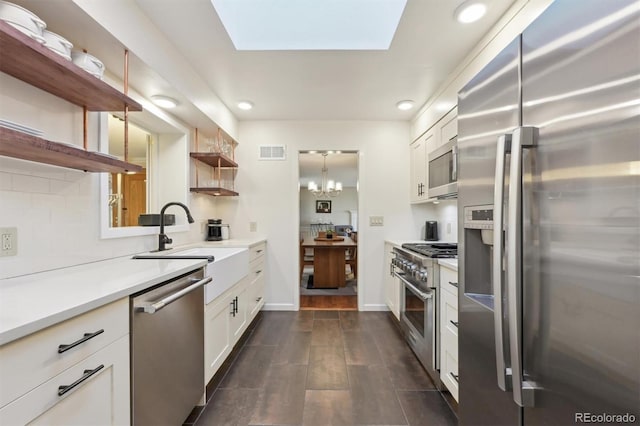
329	261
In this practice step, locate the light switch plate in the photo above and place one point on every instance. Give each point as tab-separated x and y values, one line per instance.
8	241
253	226
376	220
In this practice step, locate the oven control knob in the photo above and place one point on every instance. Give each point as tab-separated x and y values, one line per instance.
412	266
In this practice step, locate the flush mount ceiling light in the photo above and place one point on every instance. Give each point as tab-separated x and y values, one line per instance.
470	11
405	105
164	101
245	105
310	24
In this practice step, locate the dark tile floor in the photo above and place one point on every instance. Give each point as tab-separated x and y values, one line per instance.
326	368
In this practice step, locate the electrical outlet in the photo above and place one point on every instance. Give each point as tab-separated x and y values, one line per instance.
8	241
253	226
376	220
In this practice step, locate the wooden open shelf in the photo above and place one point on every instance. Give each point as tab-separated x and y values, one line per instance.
214	159
215	191
31	62
26	147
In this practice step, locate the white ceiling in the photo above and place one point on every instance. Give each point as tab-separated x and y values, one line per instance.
325	85
287	85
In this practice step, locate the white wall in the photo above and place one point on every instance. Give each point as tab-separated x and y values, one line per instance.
57	210
269	196
340	206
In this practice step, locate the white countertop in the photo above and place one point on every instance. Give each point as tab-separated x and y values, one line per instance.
449	263
32	302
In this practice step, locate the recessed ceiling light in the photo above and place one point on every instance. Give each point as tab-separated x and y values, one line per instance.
405	105
164	101
470	11
245	105
310	24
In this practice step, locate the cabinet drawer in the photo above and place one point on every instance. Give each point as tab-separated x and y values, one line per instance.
101	398
450	313
256	269
449	372
449	280
257	251
34	359
255	294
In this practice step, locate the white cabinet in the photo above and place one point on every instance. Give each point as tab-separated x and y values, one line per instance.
418	168
392	283
86	384
217	333
228	315
444	130
440	133
449	329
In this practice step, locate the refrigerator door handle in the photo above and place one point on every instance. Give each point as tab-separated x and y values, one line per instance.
504	373
523	138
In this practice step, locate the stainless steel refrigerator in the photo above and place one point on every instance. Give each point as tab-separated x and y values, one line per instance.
549	217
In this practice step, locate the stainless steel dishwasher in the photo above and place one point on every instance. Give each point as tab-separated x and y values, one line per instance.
167	350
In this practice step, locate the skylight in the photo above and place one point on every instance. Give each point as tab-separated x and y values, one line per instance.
310	24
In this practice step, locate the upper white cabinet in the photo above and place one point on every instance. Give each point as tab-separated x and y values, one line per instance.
440	133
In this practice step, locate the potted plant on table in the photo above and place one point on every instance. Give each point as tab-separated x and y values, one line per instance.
329	234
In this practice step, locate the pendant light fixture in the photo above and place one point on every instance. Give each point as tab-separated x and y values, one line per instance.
328	188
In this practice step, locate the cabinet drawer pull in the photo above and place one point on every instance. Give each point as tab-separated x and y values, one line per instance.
453	284
233	307
454	376
258	299
87	373
85	337
455	323
259	251
258	271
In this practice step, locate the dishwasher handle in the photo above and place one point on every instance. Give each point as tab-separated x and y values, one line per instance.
152	308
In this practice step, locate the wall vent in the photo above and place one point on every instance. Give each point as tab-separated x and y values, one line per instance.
272	152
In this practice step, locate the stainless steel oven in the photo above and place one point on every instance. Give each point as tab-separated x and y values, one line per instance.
443	170
419	303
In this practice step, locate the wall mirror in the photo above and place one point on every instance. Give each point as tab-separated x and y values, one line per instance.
161	146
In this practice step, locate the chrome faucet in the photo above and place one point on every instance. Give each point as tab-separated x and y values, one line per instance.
162	238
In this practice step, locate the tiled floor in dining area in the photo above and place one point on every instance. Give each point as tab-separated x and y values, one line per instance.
326	368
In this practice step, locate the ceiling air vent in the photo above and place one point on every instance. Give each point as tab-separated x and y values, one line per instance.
272	152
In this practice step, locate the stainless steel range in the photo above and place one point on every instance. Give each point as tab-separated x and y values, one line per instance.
417	268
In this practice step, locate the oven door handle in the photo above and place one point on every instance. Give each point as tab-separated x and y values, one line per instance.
424	296
152	308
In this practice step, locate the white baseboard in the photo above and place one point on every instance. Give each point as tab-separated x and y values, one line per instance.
374	307
279	307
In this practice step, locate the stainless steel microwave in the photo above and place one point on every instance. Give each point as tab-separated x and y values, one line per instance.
443	170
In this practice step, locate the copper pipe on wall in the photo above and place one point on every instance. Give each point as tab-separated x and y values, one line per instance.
126	107
196	163
85	122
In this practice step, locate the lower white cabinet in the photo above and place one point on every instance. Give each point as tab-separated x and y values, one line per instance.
97	392
449	330
391	282
228	316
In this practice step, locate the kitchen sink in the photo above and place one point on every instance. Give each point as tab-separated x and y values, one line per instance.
227	265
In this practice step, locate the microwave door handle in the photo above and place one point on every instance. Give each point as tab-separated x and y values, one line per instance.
523	138
502	149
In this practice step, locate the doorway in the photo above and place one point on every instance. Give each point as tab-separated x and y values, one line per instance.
328	251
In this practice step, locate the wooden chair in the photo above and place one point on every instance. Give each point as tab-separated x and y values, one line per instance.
305	258
351	259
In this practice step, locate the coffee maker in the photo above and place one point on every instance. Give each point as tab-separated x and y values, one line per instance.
214	230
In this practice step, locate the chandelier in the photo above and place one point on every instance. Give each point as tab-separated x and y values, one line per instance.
327	187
